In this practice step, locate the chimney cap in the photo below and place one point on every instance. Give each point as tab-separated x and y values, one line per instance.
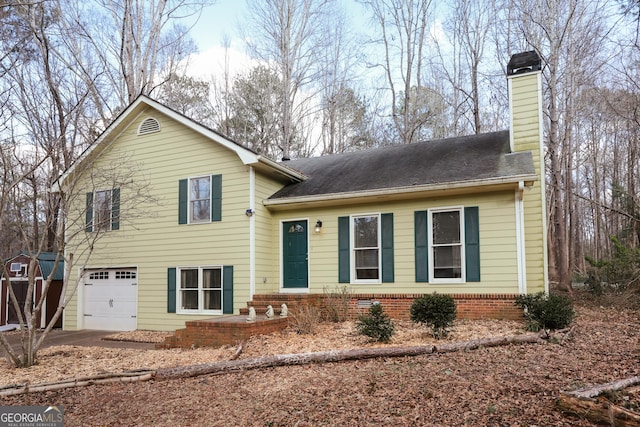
524	62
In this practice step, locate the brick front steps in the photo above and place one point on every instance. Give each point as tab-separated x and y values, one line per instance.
230	330
220	331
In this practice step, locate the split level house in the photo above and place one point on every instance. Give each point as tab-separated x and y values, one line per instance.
189	224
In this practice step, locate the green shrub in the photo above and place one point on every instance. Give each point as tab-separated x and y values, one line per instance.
542	311
617	274
376	325
435	310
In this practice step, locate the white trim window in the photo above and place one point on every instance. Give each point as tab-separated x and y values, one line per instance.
200	289
200	199
446	245
365	243
102	210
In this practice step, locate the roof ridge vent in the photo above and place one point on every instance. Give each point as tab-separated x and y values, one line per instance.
149	125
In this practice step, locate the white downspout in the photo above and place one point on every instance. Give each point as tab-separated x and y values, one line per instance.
79	298
520	243
252	233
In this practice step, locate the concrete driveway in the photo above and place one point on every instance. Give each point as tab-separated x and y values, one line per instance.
84	338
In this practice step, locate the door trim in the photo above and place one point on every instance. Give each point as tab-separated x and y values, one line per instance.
80	292
282	289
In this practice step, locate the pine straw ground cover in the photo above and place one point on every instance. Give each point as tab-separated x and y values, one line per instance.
511	386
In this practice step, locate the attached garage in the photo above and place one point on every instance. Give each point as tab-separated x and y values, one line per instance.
110	299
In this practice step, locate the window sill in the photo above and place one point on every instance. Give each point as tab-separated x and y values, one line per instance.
368	282
200	313
447	282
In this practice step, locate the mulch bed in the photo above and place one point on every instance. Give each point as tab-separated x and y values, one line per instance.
511	386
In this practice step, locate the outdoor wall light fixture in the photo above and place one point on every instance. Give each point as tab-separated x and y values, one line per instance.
249	212
318	226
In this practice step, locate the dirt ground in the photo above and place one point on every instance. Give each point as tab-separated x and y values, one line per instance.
504	386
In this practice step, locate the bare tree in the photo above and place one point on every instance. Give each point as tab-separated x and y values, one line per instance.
57	90
568	35
49	101
344	110
136	45
221	92
65	74
75	243
471	23
288	34
403	26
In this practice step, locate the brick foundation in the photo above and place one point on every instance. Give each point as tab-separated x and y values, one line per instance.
398	306
469	306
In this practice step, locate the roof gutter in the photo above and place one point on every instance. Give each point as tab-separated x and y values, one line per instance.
284	170
400	192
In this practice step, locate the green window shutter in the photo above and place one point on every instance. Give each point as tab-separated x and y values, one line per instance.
344	265
421	245
387	248
216	198
227	289
183	200
115	209
472	244
171	290
89	213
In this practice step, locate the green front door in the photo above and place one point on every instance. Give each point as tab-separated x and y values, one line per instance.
294	254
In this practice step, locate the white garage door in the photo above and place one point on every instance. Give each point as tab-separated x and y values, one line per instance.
111	299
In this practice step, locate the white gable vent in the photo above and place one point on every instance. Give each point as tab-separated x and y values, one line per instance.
149	125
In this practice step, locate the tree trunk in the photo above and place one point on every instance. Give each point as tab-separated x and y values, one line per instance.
591	392
234	365
589	403
338	356
599	411
125	377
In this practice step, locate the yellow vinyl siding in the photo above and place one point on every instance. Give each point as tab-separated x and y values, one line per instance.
157	241
497	247
525	113
267	280
535	240
526	131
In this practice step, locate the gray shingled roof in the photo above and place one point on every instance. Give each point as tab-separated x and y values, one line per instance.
469	158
